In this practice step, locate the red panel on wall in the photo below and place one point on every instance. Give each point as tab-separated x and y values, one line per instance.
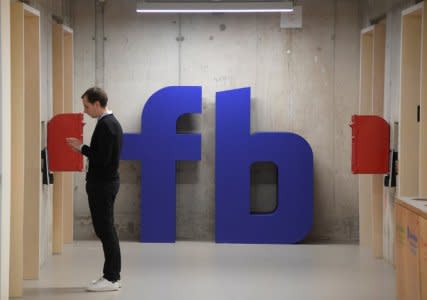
370	145
61	157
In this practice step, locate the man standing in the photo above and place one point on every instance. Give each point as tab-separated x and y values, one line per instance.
102	183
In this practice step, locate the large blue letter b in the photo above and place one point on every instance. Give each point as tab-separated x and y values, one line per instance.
236	150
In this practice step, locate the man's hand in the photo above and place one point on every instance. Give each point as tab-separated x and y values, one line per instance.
74	143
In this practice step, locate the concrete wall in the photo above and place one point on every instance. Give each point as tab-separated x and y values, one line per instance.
303	80
5	145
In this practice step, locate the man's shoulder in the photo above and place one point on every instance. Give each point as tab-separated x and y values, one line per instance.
111	123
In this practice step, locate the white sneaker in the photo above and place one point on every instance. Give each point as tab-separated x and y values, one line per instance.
118	281
93	281
103	285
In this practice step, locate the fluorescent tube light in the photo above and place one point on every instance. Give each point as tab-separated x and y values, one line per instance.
214	7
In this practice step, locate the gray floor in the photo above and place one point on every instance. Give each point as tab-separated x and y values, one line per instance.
193	270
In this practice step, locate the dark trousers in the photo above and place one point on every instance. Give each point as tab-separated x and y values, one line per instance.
101	203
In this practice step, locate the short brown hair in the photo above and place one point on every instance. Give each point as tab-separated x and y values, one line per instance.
94	94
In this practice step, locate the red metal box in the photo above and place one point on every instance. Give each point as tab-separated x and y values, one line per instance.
370	145
61	157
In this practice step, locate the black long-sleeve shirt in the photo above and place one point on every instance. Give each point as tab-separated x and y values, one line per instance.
104	150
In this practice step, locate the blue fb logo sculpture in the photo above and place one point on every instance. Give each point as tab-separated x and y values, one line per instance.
158	147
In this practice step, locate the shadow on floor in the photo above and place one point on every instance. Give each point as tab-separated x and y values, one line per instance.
53	291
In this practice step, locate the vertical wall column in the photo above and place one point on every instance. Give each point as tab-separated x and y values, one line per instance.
365	94
372	59
409	131
26	139
32	169
63	60
423	110
99	43
68	108
377	187
58	108
17	199
5	141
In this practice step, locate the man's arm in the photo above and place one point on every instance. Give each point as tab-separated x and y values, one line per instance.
102	156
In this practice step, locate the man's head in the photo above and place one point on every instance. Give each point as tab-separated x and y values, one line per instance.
94	101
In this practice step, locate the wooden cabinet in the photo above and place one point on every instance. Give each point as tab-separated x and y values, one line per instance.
411	249
423	256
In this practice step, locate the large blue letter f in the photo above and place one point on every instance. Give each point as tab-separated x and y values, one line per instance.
158	147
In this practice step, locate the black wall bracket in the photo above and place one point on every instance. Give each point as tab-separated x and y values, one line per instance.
47	175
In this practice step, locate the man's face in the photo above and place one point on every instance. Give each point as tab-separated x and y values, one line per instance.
89	108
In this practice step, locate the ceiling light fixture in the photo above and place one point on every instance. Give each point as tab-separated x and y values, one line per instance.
214	7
